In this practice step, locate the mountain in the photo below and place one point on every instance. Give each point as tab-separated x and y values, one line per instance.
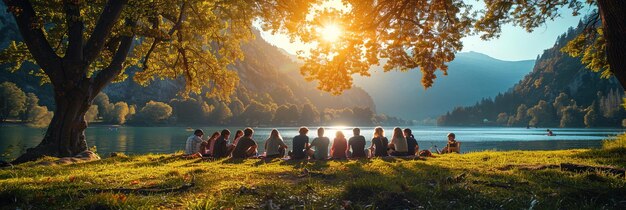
471	77
560	91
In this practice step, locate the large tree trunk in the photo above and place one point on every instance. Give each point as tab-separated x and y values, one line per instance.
613	14
65	136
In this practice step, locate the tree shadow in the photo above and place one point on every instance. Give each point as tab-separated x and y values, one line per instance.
296	163
234	161
612	156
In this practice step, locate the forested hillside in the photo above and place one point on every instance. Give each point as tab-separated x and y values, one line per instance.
560	91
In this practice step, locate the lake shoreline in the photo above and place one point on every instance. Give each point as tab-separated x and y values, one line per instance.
163	140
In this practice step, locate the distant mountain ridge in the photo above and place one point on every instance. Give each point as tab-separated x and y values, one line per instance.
471	77
559	92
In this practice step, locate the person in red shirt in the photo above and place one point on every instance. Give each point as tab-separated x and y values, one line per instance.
340	146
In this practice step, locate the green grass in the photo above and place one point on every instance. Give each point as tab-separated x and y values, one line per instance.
478	180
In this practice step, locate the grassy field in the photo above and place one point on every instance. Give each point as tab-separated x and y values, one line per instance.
481	180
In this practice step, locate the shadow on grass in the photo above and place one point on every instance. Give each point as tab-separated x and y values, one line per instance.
612	156
416	185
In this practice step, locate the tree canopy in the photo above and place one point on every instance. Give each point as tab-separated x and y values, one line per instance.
198	39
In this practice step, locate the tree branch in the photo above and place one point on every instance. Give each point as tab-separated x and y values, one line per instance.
34	37
109	16
177	25
74	52
106	75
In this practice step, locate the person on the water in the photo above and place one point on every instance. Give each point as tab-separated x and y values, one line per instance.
550	132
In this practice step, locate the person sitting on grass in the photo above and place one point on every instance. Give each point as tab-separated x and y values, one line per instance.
238	135
206	150
321	146
452	145
379	143
411	143
357	143
211	143
231	146
340	146
246	147
193	145
220	148
398	145
274	145
300	143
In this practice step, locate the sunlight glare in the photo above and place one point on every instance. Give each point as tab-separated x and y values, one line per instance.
330	32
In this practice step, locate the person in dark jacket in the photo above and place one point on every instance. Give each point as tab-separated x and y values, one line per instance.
357	144
379	143
300	143
220	149
412	145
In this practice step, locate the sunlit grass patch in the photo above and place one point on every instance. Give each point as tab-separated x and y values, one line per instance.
478	180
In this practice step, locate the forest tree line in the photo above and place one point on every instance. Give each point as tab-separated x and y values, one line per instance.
196	110
605	110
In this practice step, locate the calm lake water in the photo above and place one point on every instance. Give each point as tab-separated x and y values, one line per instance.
138	140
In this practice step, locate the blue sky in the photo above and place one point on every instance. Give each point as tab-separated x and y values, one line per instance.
514	43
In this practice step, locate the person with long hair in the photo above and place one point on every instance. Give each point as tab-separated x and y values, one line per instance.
274	145
340	146
398	145
321	146
246	147
231	146
238	135
411	143
357	143
379	143
207	149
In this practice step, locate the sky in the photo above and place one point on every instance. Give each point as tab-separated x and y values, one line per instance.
514	43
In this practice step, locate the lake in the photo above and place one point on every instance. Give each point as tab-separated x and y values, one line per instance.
138	140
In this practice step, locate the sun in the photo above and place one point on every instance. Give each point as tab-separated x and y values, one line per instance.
331	32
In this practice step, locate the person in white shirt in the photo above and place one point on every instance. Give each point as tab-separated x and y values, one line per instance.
193	144
275	146
398	145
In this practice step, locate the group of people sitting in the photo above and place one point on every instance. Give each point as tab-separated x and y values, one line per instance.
402	143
